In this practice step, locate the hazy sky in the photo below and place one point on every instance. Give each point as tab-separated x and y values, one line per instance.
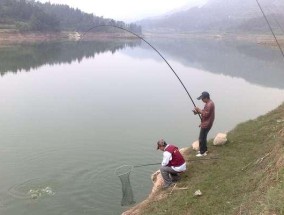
125	10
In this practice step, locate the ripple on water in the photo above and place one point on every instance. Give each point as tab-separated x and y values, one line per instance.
33	189
74	189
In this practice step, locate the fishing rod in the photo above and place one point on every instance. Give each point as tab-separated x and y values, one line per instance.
199	159
114	26
270	28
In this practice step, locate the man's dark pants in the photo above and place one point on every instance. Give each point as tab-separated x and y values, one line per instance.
203	140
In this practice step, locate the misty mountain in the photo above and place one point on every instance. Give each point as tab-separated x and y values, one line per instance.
220	15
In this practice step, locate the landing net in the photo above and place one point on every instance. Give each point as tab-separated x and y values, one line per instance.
123	172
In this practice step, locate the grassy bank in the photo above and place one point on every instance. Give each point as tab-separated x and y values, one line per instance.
248	177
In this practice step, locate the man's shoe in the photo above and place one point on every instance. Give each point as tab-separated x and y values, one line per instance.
201	155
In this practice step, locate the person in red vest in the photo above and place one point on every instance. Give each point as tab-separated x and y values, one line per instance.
172	164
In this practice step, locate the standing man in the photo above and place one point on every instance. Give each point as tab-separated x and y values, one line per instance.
173	163
207	119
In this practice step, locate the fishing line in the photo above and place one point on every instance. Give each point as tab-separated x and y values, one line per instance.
198	159
150	164
114	26
270	28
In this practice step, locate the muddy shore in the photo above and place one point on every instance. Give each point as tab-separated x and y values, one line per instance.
10	37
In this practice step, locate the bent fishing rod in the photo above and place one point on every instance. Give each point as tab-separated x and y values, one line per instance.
114	26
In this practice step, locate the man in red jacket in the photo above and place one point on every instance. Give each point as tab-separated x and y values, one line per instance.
173	163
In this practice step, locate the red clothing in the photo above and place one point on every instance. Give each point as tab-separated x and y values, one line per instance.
208	115
177	158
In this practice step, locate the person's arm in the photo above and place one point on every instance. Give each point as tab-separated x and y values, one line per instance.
197	110
207	111
166	158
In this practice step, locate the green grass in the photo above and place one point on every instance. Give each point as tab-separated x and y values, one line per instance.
248	177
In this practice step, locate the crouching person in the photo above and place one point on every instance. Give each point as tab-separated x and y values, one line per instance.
172	164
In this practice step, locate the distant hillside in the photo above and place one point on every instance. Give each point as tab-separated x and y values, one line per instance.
30	15
220	15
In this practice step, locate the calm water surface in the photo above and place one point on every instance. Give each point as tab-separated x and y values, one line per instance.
72	113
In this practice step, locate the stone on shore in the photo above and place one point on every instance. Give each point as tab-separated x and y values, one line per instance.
220	139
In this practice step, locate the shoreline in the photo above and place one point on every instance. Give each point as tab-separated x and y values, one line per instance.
11	37
261	39
253	180
157	194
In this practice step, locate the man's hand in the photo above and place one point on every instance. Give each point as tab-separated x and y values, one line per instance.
197	110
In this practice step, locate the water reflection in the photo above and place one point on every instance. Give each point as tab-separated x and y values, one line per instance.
256	64
30	56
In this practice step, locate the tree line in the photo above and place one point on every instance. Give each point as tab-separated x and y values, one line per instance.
29	15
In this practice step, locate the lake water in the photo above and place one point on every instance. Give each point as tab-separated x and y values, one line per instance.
71	113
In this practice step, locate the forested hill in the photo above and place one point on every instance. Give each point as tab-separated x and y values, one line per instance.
29	15
221	16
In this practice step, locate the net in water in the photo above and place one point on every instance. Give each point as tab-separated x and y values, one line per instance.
123	172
